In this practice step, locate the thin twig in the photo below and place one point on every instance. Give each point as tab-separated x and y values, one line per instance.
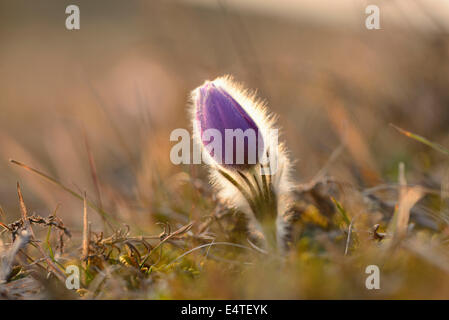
93	170
209	245
348	240
58	273
85	252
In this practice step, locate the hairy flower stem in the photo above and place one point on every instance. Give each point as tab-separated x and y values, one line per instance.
265	203
261	199
268	226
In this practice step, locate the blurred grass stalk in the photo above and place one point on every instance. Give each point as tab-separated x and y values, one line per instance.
445	179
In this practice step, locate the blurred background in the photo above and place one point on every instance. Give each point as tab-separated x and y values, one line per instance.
99	103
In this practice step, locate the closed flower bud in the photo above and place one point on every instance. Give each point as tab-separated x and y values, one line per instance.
255	180
216	109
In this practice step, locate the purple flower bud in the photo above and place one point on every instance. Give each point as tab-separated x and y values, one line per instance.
215	108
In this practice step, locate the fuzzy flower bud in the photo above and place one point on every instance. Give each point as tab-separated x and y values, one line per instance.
255	179
216	109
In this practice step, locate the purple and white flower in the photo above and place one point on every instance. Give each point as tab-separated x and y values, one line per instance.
255	177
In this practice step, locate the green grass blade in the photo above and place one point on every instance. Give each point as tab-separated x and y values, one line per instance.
423	140
48	244
342	211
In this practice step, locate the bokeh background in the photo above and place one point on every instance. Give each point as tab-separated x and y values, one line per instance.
108	95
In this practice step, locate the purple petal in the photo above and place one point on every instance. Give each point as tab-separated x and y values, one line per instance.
217	109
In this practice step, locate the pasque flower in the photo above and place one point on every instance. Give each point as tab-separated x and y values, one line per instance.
257	186
217	109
